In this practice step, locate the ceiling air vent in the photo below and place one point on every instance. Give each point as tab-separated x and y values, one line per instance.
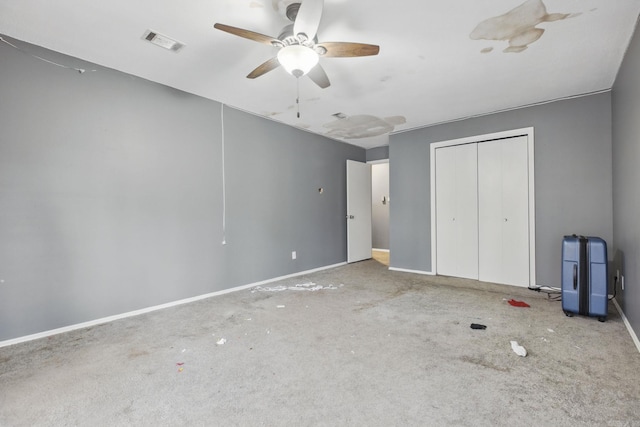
162	41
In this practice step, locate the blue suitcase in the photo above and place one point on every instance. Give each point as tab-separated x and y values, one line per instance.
585	276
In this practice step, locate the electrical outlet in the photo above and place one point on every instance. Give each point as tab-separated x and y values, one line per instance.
294	255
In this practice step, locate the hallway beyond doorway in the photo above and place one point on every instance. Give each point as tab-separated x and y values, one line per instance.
381	256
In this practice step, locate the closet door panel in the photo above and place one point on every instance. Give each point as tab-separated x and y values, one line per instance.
515	194
503	211
490	217
446	211
467	210
456	211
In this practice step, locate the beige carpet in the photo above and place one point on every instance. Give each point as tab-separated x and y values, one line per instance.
357	345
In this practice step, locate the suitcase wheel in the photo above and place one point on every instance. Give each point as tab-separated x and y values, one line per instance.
568	314
601	319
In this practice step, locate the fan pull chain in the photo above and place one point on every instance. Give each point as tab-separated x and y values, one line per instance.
298	95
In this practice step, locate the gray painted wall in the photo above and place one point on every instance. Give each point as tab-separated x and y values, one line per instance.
378	153
573	178
274	205
379	210
626	178
111	195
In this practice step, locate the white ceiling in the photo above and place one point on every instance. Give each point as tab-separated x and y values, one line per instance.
432	67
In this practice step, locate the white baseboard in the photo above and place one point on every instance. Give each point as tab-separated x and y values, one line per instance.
380	250
404	270
634	337
156	307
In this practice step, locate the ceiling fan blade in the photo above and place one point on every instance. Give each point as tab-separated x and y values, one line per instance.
348	50
264	68
319	77
308	18
251	35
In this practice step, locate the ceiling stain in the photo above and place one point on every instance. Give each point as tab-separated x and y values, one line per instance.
517	26
255	5
487	50
363	126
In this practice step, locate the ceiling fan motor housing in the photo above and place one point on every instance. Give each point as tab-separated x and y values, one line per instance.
292	11
287	38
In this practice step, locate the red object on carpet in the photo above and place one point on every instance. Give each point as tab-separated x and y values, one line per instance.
518	303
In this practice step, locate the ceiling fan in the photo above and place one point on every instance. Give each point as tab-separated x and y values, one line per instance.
299	49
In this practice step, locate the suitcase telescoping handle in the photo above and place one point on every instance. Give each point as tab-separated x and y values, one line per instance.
575	266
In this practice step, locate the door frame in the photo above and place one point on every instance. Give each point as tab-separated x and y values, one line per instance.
532	209
372	163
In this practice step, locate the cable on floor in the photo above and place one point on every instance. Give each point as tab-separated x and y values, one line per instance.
553	293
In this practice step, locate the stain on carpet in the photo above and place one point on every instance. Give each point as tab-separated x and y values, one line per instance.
484	364
138	353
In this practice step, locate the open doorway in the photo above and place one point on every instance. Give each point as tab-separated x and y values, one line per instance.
380	211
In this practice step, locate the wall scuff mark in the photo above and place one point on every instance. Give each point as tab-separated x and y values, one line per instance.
517	26
362	126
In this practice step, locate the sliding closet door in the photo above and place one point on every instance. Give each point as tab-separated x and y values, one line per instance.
503	211
456	211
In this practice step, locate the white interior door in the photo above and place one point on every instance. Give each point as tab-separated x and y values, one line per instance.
456	211
503	206
358	211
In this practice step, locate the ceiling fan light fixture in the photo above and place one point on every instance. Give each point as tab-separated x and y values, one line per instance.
297	60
